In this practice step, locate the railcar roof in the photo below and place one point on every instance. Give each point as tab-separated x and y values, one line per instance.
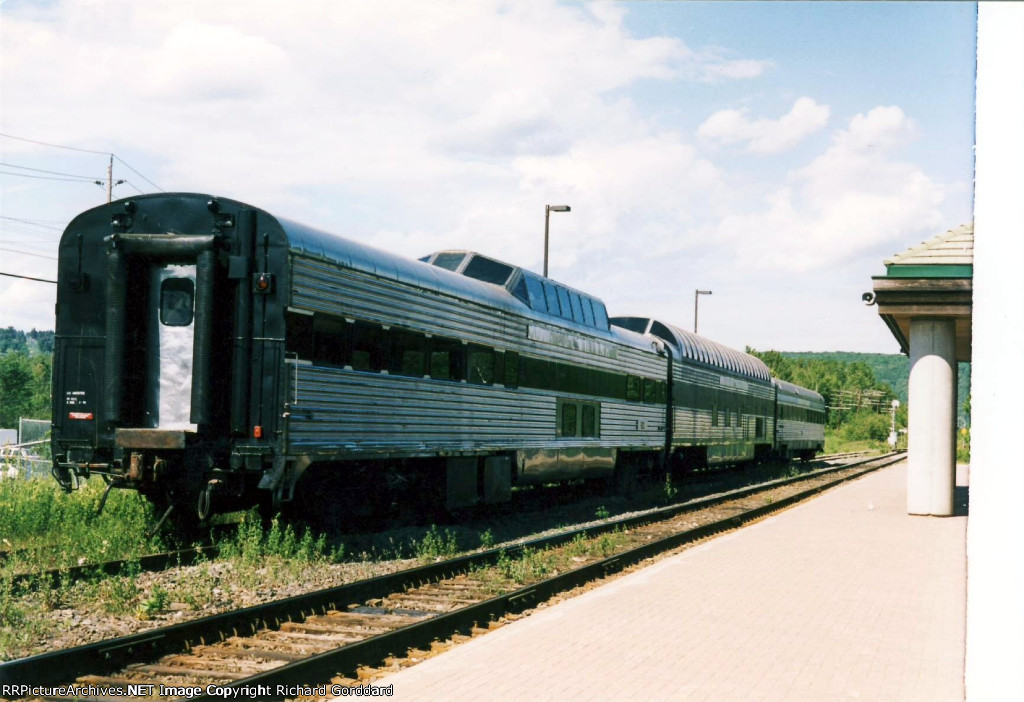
369	259
793	389
697	349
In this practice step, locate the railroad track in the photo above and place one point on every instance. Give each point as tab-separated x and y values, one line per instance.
150	563
319	636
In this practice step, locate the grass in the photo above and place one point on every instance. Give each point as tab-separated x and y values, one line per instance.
59	529
836	444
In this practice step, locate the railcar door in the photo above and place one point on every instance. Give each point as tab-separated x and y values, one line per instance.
171	339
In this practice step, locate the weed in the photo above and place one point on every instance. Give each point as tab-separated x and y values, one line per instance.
252	546
608	543
602	512
156	603
435	545
118	594
197	590
487	540
530	566
579	546
670	491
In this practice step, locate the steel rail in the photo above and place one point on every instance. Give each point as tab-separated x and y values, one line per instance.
150	563
109	655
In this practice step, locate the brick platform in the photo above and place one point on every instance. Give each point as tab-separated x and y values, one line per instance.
842	598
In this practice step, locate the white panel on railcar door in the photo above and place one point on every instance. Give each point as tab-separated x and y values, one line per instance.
171	336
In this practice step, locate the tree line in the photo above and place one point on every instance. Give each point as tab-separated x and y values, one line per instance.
857	405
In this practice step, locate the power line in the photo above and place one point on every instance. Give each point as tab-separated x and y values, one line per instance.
40	170
35	222
137	173
39	177
56	146
27	277
111	154
28	253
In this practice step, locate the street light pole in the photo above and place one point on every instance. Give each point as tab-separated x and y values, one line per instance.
696	297
548	209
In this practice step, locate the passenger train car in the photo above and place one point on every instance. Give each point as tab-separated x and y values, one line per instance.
211	354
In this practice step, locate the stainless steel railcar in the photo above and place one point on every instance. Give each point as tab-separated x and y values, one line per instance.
800	421
210	353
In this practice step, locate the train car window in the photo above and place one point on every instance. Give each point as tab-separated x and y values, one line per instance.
588	312
369	345
569	419
634	324
633	388
298	337
487	270
480	362
759	427
447	360
534	373
511	369
449	261
535	291
563	302
588	421
650	390
552	298
407	353
577	308
519	290
727	414
176	298
332	342
600	315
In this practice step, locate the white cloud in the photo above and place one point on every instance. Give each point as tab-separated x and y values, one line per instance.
215	62
415	128
850	199
765	135
457	120
738	69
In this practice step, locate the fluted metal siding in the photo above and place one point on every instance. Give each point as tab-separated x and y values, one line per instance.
320	286
692	426
338	411
796	434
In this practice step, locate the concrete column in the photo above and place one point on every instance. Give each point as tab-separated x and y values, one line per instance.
931	459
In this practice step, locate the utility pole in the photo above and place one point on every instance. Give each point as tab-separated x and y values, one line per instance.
110	179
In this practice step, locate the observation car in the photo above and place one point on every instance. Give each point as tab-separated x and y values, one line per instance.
211	354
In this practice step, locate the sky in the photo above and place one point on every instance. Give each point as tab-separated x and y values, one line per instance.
773	153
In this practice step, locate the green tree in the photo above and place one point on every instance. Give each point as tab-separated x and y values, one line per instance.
24	387
15	387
